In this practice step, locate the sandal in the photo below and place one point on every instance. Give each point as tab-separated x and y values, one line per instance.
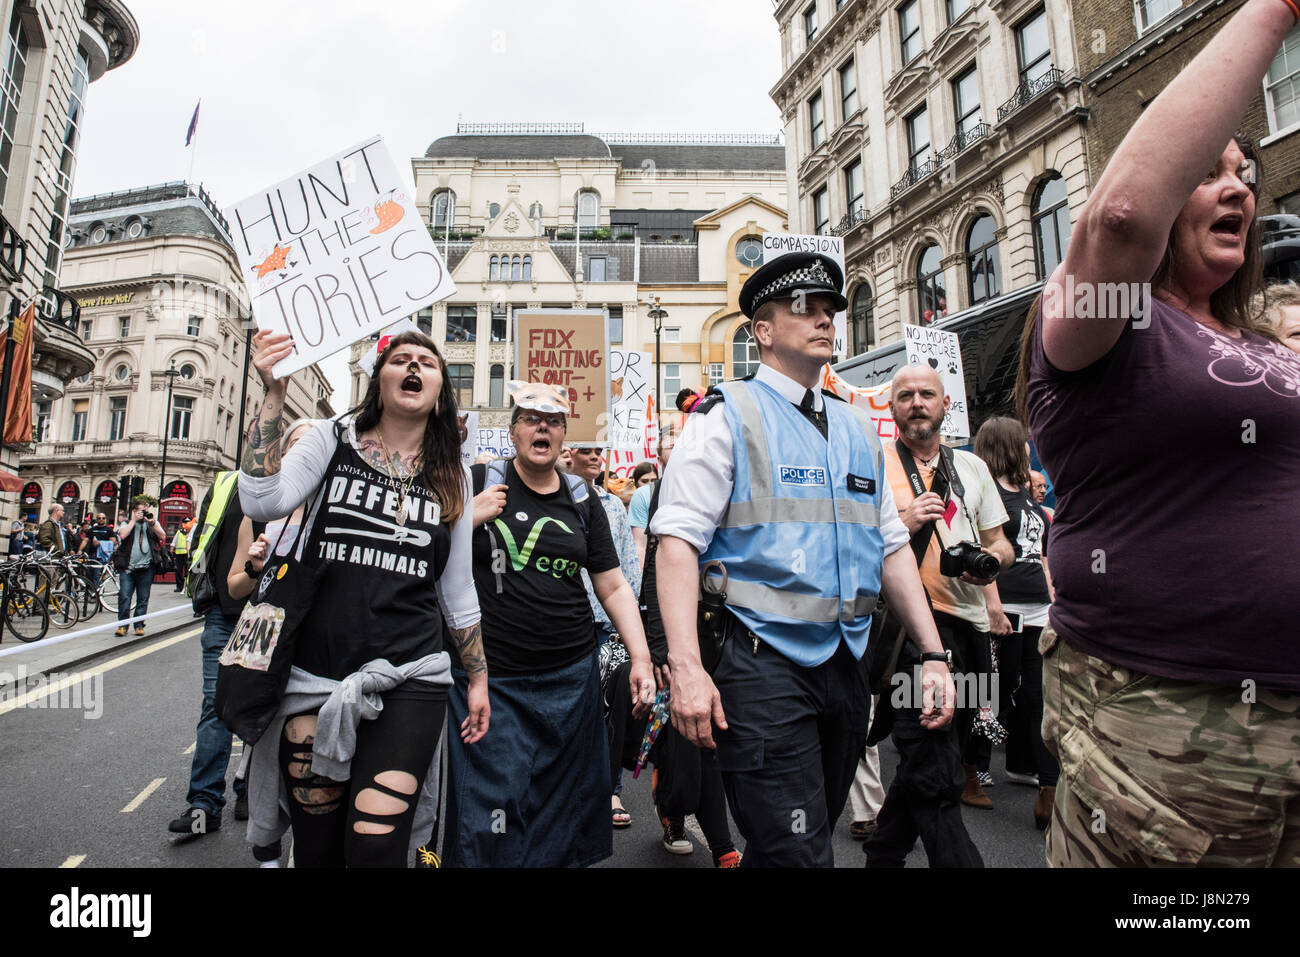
620	817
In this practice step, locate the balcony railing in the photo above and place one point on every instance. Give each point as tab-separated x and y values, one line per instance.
851	219
13	251
915	173
115	449
59	309
1028	90
962	141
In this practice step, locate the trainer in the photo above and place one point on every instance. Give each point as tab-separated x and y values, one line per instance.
787	490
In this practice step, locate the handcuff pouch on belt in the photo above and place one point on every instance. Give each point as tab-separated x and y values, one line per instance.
712	618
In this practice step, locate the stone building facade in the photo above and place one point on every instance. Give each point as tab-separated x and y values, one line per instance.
159	289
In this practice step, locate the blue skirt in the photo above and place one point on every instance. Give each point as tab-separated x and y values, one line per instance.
535	791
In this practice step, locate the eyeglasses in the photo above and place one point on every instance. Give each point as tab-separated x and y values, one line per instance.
532	421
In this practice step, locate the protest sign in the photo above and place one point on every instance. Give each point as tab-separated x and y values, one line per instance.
336	253
631	385
469	448
776	245
567	348
875	399
941	351
493	441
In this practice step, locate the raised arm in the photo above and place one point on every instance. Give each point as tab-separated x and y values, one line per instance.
1122	230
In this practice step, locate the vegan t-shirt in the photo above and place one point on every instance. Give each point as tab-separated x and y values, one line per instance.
526	561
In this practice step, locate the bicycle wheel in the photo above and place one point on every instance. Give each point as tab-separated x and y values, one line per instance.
63	608
25	615
108	586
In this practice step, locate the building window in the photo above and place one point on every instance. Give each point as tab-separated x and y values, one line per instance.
1151	12
121	373
744	353
956	8
1289	205
117	417
1051	212
853	187
966	98
497	386
821	211
516	269
528	269
848	91
442	214
462	323
193	326
717	372
749	252
672	334
462	383
423	320
862	319
494	269
596	269
535	217
134	229
499	322
909	28
931	297
188	371
494	210
810	22
985	280
85	330
588	209
616	324
1282	85
11	91
182	411
80	412
918	138
67	167
672	380
123	326
817	121
1032	51
42	427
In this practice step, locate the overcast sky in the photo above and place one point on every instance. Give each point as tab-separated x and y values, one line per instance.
285	84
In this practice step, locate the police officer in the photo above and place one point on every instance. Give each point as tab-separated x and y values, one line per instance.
787	490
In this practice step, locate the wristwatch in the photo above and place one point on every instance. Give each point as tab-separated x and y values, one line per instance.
944	656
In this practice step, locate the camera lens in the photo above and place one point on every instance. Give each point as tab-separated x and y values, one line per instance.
983	565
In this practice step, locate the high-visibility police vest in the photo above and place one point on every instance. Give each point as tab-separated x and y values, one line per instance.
180	543
222	491
801	537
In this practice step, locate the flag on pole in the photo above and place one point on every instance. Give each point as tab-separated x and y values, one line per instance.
194	124
18	415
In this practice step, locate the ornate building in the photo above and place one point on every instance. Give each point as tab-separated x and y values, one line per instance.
159	291
945	140
534	215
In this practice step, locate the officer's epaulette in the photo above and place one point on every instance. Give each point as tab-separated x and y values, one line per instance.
831	395
711	398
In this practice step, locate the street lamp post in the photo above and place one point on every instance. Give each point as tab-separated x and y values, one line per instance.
171	375
658	314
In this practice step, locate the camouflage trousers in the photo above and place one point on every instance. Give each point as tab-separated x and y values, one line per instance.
1157	772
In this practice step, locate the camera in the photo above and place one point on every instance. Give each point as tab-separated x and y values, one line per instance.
965	557
148	515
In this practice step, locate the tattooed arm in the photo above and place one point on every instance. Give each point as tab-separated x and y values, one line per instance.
262	453
468	643
459	601
469	646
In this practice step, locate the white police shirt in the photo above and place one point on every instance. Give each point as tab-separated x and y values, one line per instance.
696	487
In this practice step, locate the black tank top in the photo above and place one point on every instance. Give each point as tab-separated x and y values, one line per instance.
377	595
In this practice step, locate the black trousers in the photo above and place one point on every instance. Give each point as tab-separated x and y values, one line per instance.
791	746
924	799
1021	707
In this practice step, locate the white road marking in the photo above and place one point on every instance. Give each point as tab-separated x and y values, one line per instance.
190	749
73	860
78	677
143	795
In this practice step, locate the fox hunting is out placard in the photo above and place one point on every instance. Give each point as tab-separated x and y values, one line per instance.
336	253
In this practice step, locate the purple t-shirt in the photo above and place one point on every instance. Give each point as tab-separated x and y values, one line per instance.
1176	460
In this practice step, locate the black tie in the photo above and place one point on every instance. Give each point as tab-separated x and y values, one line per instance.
816	418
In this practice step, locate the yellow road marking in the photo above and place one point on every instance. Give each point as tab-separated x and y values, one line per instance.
73	860
78	677
143	795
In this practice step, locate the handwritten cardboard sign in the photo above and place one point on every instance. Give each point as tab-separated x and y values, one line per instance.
567	348
941	351
495	442
776	245
631	384
874	398
336	253
469	448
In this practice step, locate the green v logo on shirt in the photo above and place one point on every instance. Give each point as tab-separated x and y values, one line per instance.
518	558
